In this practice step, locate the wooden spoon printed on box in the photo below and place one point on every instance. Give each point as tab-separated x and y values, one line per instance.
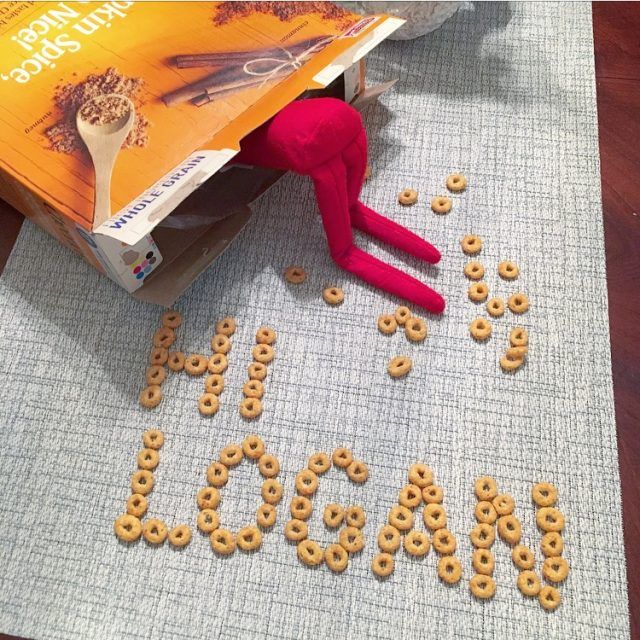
104	130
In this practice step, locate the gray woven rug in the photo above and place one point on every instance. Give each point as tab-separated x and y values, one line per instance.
503	93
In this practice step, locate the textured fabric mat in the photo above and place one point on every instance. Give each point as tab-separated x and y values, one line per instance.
503	93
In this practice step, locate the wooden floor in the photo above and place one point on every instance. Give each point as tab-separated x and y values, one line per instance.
617	51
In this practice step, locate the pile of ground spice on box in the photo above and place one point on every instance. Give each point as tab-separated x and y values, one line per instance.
63	135
284	11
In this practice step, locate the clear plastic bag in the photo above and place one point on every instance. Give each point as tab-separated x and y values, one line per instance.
421	17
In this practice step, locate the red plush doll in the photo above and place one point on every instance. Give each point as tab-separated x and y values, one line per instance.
324	138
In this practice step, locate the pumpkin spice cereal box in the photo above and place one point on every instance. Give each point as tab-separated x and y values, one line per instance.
118	119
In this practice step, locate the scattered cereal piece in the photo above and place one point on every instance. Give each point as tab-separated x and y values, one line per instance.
551	544
214	383
471	244
249	538
142	482
195	365
517	352
382	565
220	343
495	307
336	557
410	496
231	455
478	292
401	518
408	197
208	404
420	475
444	542
549	519
529	583
271	491
253	389
153	439
164	337
483	562
474	270
367	172
389	539
402	314
158	356
519	337
319	463
217	363
399	366
480	329
509	363
222	542
301	507
137	505
549	598
266	516
148	459
306	482
263	353
257	371
151	396
355	517
434	516
208	520
504	504
416	543
486	488
296	530
415	329
180	536
333	515
226	326
268	466
265	335
509	529
295	275
342	457
508	270
518	303
433	494
441	204
175	361
351	539
127	527
449	569
456	182
253	447
523	557
171	319
333	295
358	471
483	587
485	512
250	408
208	498
387	324
217	474
154	531
482	536
310	553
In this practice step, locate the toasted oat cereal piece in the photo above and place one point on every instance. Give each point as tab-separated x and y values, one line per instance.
151	396
253	447
208	498
351	539
214	383
508	270
549	519
319	463
175	361
257	371
420	475
180	536
355	517
164	337
410	496
250	408
486	488
478	292
333	295
523	557
271	491
217	474
555	569
449	569
408	197
551	544
217	363
195	364
529	583
382	565
456	182
444	542
482	586
509	529
519	337
495	307
306	482
342	457
389	539
482	535
148	459
415	329
387	324
480	329
485	512
222	542
266	516
249	538
518	303
220	343
208	404
268	465
401	518
504	504
441	204
310	553
433	494
471	244
434	516
265	335
153	439
301	508
399	366
171	319
509	363
127	527
137	505
358	471
158	356
226	326
483	562
402	314
295	275
333	515
474	270
208	520
142	482
231	455
336	557
516	352
263	353
549	598
154	531
416	543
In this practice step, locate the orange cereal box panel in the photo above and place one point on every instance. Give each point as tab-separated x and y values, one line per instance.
201	75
